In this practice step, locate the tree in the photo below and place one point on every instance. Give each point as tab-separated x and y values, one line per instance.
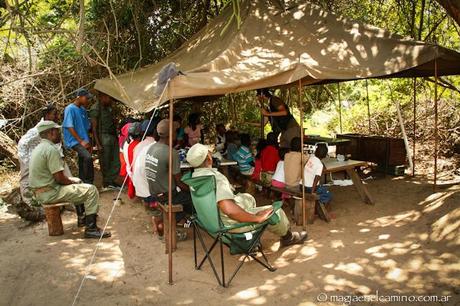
452	7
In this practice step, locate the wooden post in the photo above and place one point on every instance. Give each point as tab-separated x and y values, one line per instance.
340	107
414	127
53	218
170	220
304	215
368	108
435	124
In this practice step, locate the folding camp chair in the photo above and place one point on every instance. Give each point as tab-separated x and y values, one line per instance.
207	218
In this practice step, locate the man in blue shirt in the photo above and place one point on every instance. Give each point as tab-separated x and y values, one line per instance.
75	127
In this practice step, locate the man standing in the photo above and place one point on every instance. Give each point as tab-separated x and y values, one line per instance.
241	207
51	185
76	126
105	135
281	118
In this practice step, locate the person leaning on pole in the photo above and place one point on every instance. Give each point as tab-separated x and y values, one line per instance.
50	185
280	117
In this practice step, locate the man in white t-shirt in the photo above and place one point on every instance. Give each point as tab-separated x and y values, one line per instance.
139	176
312	175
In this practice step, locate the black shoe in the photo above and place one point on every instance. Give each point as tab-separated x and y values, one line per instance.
292	238
81	219
92	231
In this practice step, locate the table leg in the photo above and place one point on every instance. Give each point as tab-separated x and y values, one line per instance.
360	187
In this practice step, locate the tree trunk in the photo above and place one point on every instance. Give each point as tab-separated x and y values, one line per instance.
9	148
452	7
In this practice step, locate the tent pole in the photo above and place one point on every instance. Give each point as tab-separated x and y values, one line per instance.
340	107
435	124
368	108
414	127
170	220
304	215
403	130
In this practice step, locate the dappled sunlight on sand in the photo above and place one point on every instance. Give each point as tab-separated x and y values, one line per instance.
447	228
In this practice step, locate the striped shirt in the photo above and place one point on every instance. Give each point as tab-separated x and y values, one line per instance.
244	158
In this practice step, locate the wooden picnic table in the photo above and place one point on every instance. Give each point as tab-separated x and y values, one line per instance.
349	166
224	164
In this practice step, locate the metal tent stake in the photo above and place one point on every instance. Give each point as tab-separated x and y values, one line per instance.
304	215
414	127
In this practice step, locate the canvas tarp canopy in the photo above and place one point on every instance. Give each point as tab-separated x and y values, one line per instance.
277	46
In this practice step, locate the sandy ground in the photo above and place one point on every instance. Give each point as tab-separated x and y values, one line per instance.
407	244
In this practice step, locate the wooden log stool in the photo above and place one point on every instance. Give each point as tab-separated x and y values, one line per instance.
310	202
53	218
164	207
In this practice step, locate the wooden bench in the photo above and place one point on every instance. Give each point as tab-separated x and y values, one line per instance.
53	218
310	202
164	207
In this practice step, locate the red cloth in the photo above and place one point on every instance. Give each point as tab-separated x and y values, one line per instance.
123	134
131	189
269	158
257	169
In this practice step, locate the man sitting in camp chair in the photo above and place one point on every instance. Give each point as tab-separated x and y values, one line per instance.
241	207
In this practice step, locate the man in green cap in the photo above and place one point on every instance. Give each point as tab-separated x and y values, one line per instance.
105	135
50	185
242	206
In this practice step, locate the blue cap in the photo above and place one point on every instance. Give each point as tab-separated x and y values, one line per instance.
83	92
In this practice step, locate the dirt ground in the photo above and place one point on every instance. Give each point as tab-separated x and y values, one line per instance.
407	244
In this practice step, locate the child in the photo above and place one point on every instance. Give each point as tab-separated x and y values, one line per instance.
244	156
232	147
193	130
292	164
258	162
278	176
312	176
269	154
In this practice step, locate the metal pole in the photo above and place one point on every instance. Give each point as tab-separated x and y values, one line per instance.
414	126
435	123
304	223
340	108
170	220
368	108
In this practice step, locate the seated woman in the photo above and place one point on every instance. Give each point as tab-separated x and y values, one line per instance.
194	130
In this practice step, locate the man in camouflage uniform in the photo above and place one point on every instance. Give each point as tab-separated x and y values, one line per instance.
105	135
50	185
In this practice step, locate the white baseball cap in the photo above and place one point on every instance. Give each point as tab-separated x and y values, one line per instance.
197	154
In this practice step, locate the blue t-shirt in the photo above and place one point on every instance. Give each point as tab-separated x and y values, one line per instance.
77	118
